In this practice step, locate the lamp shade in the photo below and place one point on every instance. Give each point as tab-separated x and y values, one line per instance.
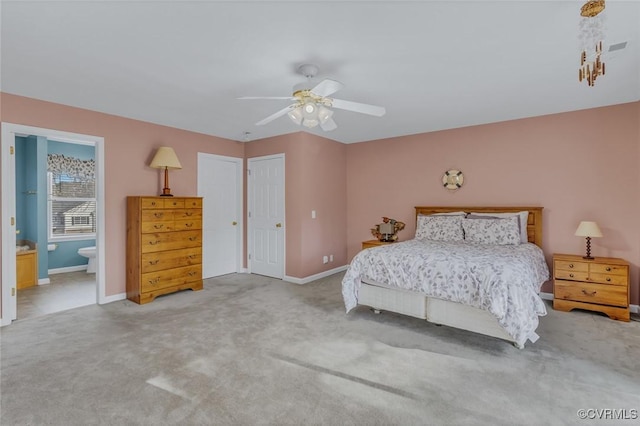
165	158
588	229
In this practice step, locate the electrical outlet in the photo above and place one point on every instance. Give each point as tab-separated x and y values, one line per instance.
330	258
325	259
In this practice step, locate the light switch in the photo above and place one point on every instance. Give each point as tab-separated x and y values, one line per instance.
313	214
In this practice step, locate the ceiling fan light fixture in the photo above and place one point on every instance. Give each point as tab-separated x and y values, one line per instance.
296	115
310	111
324	114
310	122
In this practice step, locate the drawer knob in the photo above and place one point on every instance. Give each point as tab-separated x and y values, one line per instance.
153	243
608	269
158	226
608	279
193	238
191	273
153	203
571	275
154	281
158	215
154	262
192	256
588	293
188	225
189	214
571	265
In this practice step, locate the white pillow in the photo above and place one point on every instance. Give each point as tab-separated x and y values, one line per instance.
502	231
523	220
439	228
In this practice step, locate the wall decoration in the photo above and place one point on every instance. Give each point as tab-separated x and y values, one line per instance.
452	179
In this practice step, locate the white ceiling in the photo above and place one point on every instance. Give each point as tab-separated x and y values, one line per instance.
433	65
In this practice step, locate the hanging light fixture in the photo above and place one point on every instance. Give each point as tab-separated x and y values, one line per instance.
591	36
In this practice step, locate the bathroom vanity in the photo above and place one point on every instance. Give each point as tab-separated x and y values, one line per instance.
26	264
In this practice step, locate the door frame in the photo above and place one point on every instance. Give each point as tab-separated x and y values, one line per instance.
240	203
284	212
9	132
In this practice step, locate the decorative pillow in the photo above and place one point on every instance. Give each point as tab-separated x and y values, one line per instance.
523	218
501	231
440	228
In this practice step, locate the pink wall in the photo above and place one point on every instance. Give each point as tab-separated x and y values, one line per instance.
315	179
129	146
578	166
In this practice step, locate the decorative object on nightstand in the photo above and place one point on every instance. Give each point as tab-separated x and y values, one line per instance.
600	284
166	159
588	230
387	230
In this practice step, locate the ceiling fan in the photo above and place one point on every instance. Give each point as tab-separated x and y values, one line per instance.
312	106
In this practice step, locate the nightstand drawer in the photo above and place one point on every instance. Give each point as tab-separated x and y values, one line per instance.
602	268
608	279
571	266
601	294
571	275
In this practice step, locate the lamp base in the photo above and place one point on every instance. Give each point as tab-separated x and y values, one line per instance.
171	195
166	192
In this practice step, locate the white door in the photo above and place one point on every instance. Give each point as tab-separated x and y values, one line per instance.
266	215
220	185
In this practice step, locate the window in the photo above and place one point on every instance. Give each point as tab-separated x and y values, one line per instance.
72	205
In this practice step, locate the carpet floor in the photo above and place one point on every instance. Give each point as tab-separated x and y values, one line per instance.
252	350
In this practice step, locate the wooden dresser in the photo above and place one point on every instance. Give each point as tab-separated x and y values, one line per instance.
375	243
164	246
601	284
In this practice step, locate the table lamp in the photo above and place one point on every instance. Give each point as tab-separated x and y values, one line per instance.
166	159
588	230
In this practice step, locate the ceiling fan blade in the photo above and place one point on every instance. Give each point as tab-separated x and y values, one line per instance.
328	125
280	113
327	87
378	111
268	97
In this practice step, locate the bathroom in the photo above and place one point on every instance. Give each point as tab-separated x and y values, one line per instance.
55	225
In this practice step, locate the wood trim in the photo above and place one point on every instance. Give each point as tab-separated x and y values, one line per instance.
534	224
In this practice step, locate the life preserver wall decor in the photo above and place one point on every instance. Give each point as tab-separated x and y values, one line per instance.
452	179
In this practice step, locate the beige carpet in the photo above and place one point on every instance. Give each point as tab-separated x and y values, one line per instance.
251	350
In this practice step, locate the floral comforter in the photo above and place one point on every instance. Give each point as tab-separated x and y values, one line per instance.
502	279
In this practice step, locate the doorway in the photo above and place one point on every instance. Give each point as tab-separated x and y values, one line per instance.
220	183
80	218
266	218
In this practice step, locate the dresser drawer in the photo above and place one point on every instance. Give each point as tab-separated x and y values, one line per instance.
159	261
602	268
608	279
148	227
571	266
152	203
171	203
156	215
152	281
571	275
186	224
591	293
188	214
193	203
159	241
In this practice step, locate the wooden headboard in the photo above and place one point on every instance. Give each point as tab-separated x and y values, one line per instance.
534	224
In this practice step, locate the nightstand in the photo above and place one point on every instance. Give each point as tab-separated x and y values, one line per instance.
600	284
375	243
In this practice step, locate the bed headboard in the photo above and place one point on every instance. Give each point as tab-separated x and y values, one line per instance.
534	224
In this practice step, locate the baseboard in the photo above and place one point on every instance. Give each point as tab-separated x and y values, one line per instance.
310	278
112	298
44	281
634	309
67	269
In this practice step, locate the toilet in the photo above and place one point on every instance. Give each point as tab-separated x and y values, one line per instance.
89	253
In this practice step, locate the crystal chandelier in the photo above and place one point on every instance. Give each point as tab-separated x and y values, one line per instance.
591	36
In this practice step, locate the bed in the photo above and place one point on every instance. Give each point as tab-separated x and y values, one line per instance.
497	296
